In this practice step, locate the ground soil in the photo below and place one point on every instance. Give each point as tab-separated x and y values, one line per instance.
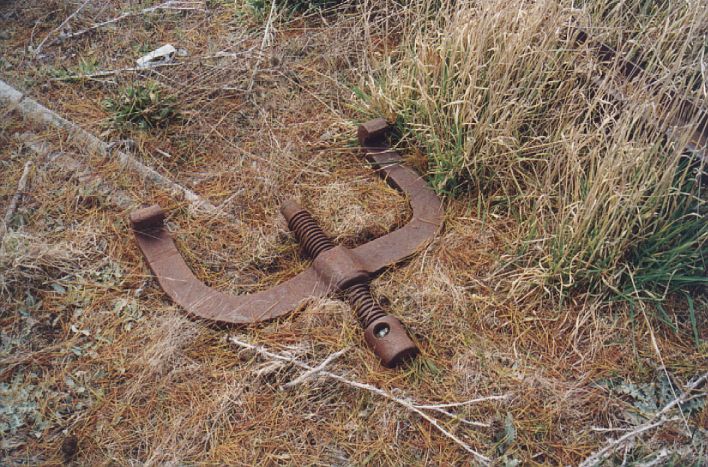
100	367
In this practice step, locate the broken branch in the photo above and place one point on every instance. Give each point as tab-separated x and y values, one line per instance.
38	49
656	421
169	5
15	201
117	71
264	43
313	372
262	351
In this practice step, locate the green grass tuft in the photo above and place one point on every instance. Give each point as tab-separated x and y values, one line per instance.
144	106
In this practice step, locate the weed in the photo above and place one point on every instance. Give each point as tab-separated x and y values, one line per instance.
143	106
86	66
509	111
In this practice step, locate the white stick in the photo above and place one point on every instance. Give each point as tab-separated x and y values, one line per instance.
663	454
681	399
436	408
64	23
313	372
461	404
657	420
483	460
197	59
170	5
264	42
106	73
225	203
457	417
41	115
15	201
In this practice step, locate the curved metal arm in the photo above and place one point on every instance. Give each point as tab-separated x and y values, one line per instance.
424	224
178	281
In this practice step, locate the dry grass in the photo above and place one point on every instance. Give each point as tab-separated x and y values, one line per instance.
522	120
98	354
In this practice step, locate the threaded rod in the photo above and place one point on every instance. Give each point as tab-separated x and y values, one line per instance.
366	308
312	238
314	241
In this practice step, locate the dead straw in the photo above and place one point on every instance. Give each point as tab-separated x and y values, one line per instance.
407	404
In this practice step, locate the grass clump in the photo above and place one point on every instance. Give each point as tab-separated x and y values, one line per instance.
144	106
519	117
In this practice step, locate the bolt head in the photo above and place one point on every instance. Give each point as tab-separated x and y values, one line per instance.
372	132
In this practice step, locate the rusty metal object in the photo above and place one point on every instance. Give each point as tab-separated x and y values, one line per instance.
177	280
334	268
343	271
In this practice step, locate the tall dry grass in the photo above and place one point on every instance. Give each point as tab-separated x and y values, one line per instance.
518	116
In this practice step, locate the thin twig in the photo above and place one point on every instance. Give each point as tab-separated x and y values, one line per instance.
64	23
107	73
602	429
661	455
656	421
169	5
367	387
264	42
461	404
458	418
231	197
15	201
681	399
658	353
440	408
311	373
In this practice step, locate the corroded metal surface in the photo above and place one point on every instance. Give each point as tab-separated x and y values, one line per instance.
344	271
424	224
177	280
334	268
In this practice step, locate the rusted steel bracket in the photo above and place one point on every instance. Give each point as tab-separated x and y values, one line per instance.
335	269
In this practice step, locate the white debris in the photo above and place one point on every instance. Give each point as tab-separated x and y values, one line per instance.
164	54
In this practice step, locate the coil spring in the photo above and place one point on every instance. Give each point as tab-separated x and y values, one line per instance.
309	234
367	310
